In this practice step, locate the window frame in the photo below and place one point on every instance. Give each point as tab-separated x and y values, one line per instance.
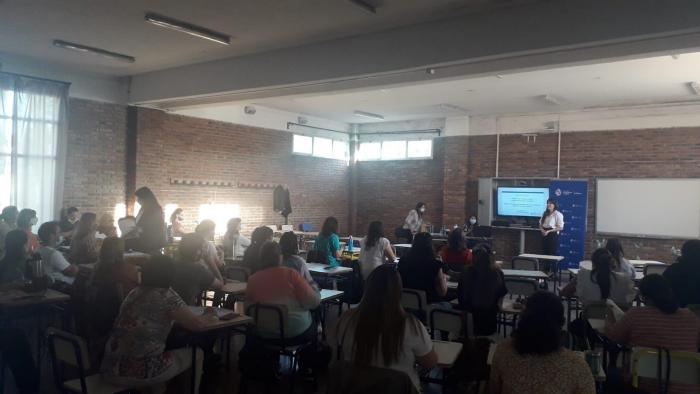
407	141
332	156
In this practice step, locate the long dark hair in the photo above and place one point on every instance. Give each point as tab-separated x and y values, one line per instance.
539	325
15	241
690	252
257	239
418	207
602	271
111	259
85	230
289	244
24	217
174	214
546	212
269	256
422	247
330	226
148	199
614	246
487	280
456	241
9	214
158	273
190	248
379	320
656	289
375	231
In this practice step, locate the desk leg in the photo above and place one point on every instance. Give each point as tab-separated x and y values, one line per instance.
522	241
193	383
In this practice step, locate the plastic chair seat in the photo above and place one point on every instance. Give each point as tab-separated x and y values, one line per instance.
95	385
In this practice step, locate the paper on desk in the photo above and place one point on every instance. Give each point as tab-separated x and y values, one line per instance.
617	312
220	312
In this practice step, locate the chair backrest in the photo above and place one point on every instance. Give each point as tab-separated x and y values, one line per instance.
269	317
237	273
521	286
695	308
685	366
351	379
654	269
66	348
446	320
524	263
413	299
595	310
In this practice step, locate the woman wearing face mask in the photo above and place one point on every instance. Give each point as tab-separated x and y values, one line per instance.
413	223
177	228
25	221
469	227
551	224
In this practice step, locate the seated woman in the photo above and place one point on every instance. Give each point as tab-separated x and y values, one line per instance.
533	360
55	266
26	219
211	256
660	323
273	284
380	333
601	283
620	263
456	255
327	243
177	227
84	246
481	290
684	275
14	264
289	245
106	227
135	354
374	249
260	236
420	270
234	242
191	278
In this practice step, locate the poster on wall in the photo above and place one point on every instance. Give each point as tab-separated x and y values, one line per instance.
572	198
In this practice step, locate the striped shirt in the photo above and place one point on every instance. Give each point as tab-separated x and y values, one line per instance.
649	327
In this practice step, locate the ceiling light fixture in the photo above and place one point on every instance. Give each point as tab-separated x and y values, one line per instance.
365	5
369	115
97	51
184	27
695	87
549	99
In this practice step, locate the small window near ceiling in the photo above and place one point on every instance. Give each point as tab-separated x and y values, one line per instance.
370	151
340	150
323	147
303	145
419	149
393	150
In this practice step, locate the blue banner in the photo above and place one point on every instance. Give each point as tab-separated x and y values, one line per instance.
572	198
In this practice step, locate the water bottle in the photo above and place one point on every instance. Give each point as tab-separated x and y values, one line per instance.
350	244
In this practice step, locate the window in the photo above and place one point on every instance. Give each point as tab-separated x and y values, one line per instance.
31	122
370	151
393	150
419	149
320	147
302	144
323	147
219	214
396	150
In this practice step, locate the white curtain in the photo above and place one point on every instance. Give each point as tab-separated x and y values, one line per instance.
32	143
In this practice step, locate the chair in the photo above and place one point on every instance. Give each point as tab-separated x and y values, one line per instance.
237	273
654	269
525	263
446	320
684	366
415	302
273	317
522	288
352	379
72	350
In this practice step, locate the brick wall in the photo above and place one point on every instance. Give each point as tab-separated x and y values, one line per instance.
389	189
174	146
95	156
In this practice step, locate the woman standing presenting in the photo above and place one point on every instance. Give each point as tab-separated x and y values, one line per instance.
551	223
413	223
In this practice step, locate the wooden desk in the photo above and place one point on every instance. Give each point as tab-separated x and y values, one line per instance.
641	264
19	298
525	274
544	257
508	306
234	288
586	264
327	270
597	324
447	352
329	295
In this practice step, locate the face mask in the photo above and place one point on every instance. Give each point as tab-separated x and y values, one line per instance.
422	210
472	221
33	221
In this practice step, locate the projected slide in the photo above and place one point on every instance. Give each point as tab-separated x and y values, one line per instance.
522	201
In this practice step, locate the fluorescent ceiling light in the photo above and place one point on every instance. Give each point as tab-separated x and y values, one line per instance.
369	115
365	5
549	99
184	27
695	87
83	48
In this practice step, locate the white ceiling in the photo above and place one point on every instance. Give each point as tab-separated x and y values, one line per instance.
28	27
631	82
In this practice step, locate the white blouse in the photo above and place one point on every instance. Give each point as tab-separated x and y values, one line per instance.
553	220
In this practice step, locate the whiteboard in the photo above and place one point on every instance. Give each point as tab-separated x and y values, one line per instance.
668	208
